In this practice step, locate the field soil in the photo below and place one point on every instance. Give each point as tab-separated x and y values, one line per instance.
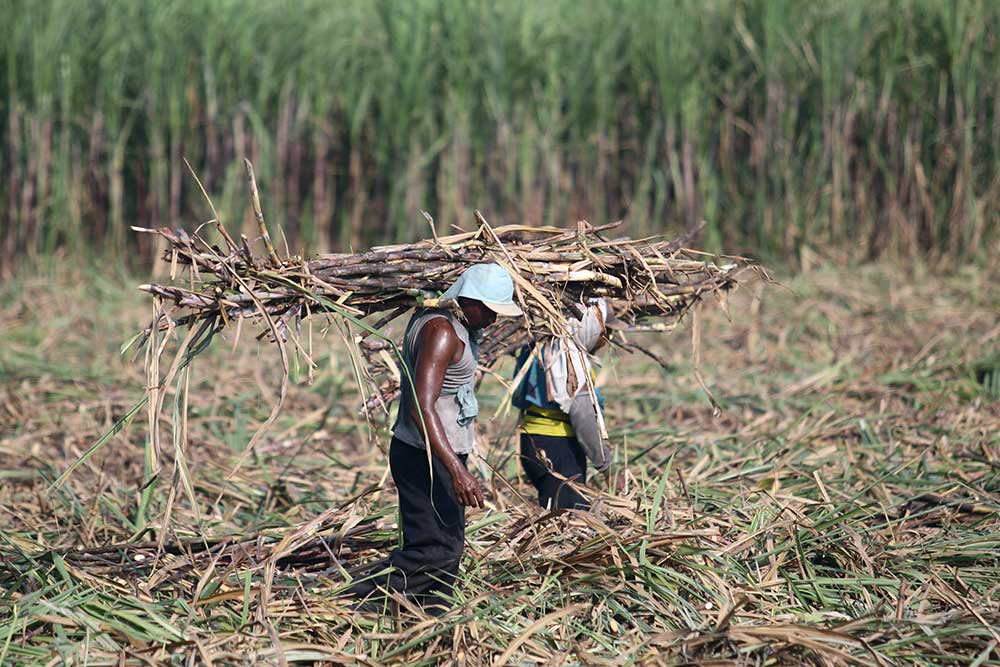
841	509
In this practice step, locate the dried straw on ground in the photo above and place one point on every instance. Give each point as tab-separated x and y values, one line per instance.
843	511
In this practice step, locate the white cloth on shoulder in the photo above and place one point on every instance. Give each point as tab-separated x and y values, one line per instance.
569	382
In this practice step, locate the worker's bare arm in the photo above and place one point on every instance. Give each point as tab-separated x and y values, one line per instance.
437	347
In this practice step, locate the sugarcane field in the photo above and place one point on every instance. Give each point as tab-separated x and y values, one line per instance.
499	333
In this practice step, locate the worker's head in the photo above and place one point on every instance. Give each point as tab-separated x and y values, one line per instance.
483	292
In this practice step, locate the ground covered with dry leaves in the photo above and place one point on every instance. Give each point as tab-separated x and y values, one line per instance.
843	508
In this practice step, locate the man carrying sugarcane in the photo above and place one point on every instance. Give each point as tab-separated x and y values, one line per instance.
562	420
433	436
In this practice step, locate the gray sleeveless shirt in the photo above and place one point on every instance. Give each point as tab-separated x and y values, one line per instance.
456	406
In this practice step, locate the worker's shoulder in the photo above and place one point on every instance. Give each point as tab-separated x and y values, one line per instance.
438	338
439	329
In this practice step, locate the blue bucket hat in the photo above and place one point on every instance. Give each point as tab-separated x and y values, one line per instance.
489	283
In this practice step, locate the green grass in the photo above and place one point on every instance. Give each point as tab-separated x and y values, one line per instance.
785	124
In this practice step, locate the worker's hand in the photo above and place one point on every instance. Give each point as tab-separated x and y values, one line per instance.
467	490
614	479
619	482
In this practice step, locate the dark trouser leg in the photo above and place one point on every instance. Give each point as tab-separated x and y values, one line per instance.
564	456
432	525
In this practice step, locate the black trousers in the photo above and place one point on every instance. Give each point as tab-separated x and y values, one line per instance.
541	455
432	523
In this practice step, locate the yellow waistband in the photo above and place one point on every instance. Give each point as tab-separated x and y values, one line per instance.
545	421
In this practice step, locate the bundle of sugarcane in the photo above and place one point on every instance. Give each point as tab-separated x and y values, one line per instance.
554	270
